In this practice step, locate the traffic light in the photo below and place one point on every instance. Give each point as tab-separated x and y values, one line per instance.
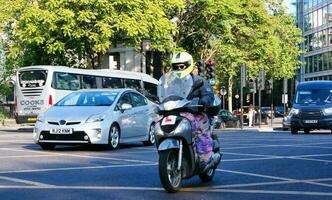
210	70
268	86
200	65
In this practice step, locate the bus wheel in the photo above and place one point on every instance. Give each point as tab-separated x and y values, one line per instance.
47	146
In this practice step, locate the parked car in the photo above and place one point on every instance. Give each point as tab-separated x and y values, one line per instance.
110	116
226	119
280	111
267	111
286	122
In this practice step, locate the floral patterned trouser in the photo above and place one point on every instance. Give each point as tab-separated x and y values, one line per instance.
202	141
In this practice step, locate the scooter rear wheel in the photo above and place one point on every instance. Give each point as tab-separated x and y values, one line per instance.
170	176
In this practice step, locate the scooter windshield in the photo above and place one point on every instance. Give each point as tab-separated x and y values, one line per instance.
171	85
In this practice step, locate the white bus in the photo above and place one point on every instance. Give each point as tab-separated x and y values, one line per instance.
39	87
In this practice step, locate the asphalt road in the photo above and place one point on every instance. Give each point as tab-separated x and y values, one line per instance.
255	165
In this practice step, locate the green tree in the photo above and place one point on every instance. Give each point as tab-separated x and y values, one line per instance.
60	31
256	33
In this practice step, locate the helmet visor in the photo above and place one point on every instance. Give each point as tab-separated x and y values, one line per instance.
180	66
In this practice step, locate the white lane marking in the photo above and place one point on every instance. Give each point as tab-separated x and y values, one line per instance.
25	181
28	156
311	159
270	183
274	177
75	168
79	156
266	157
196	189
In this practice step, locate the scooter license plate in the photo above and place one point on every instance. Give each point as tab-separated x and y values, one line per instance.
169	120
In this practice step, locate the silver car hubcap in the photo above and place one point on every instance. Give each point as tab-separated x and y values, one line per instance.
114	137
151	134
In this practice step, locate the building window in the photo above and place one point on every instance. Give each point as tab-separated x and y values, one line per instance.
329	12
325	61
330	36
330	60
314	19
314	63
320	62
307	22
319	17
310	65
325	15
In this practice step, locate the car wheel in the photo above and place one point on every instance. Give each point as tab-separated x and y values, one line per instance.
294	130
151	137
114	137
306	131
47	146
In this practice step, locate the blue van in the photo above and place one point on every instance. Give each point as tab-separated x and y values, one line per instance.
312	107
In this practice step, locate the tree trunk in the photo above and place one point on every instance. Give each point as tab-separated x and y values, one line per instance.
230	93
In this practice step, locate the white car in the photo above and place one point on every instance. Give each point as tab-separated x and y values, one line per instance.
109	116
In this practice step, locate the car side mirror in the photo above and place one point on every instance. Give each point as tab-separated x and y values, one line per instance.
126	106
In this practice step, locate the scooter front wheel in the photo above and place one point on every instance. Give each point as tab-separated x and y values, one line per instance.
170	176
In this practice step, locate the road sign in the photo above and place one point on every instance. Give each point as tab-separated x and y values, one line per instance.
223	91
212	81
284	98
285	86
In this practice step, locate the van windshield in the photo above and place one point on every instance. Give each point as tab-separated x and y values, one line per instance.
314	96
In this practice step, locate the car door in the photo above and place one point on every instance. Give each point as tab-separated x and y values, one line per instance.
126	117
141	114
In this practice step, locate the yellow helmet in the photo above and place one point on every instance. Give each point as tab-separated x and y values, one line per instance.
182	64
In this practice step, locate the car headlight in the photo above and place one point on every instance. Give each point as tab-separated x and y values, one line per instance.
294	111
41	118
327	111
95	118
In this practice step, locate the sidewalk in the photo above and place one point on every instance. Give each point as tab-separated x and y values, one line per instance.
277	125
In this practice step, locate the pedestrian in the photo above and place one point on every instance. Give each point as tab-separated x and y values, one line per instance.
251	113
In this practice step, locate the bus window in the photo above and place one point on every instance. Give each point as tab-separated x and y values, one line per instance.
33	78
66	81
133	84
109	82
89	82
150	88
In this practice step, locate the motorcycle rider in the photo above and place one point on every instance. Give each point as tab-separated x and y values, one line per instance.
183	66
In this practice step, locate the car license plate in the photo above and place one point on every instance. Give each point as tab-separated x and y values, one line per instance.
61	131
169	120
310	121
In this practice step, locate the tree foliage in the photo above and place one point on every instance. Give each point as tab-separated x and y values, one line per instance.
256	33
78	32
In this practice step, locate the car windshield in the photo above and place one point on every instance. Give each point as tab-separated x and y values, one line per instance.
95	98
314	96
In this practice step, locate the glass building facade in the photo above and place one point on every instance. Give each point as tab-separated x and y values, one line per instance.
314	17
